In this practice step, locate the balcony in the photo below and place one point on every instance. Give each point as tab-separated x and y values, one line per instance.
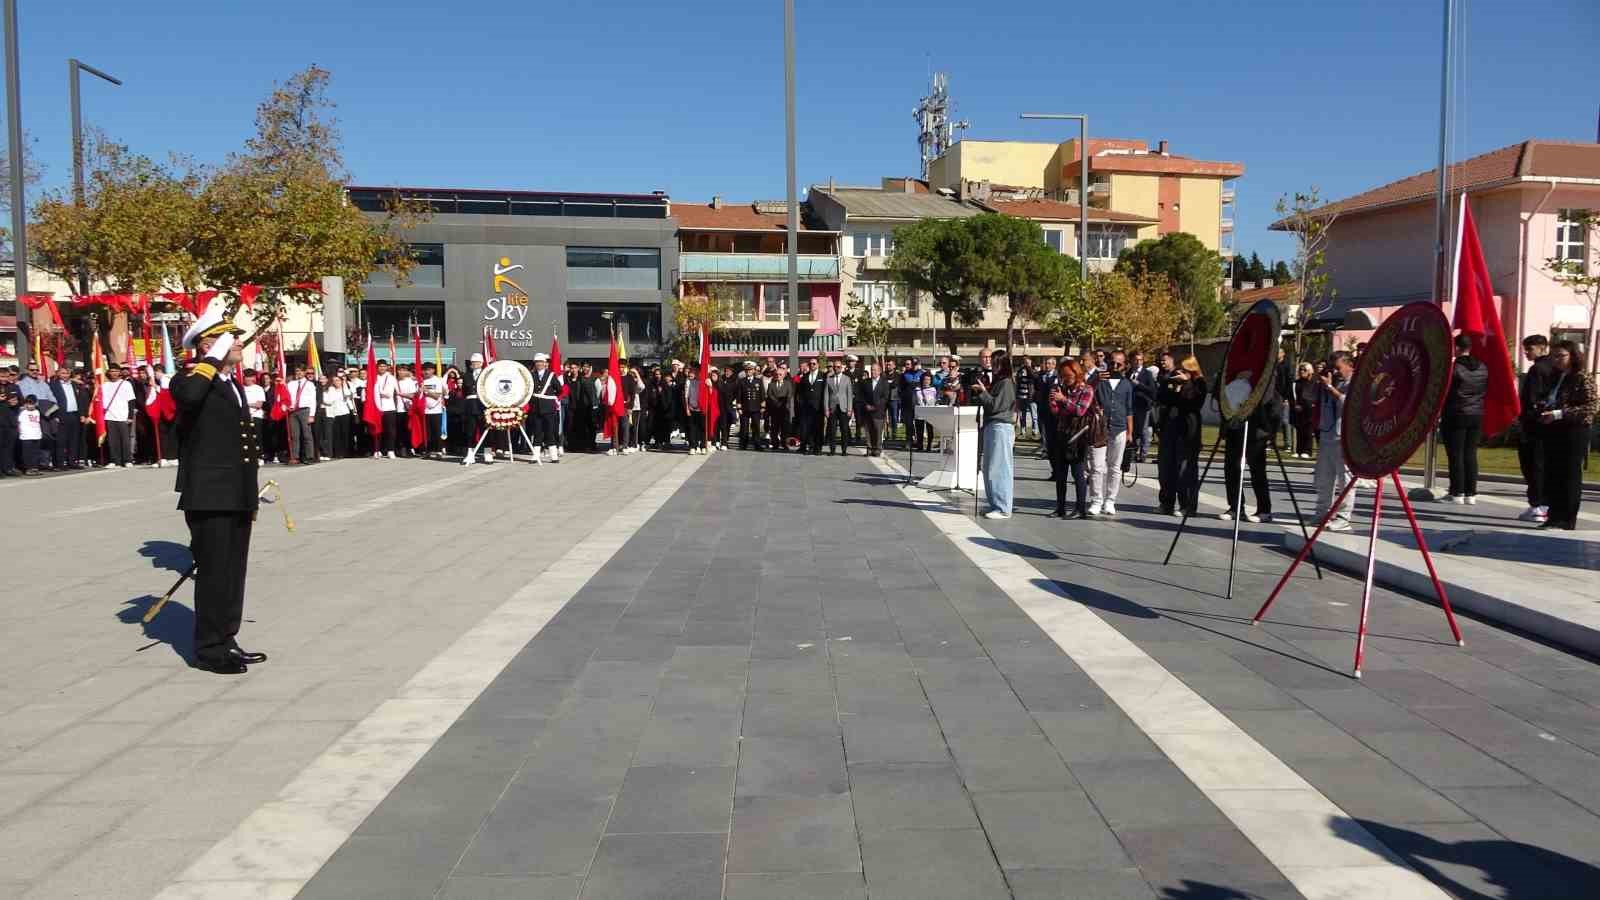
1226	224
755	267
774	343
1227	195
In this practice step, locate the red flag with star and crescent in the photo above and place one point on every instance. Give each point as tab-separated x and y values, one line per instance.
1477	318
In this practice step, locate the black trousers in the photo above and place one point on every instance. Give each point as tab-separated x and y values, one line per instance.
1255	456
778	427
695	430
1531	456
69	434
220	543
811	425
339	436
724	426
263	430
119	443
389	441
872	422
435	441
1065	471
1564	448
838	429
1461	435
750	430
8	451
1178	466
545	431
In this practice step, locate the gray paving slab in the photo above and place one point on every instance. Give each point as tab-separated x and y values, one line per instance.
896	795
673	798
931	865
1049	829
664	866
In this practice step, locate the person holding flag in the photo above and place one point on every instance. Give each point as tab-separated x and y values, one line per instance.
1483	390
613	401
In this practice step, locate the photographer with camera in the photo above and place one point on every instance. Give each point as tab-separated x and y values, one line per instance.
997	396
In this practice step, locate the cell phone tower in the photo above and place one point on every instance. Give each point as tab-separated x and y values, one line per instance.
934	128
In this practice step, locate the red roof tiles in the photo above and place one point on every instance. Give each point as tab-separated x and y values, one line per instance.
731	217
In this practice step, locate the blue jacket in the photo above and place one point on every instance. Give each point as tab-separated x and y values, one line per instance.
1117	402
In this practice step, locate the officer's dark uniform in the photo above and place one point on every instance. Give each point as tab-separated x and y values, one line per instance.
546	393
218	495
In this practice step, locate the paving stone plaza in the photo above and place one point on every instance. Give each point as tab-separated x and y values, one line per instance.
759	677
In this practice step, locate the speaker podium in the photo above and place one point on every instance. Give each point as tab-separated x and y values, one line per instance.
957	427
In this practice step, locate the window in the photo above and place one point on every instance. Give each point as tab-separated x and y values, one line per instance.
871	243
744	302
382	318
885	296
774	295
1572	237
428	272
639	322
613	267
1056	238
1106	241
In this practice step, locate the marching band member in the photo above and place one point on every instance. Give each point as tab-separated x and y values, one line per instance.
546	396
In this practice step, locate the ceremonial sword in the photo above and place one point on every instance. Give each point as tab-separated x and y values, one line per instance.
288	524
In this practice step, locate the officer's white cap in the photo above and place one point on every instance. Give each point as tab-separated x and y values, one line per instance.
475	358
541	357
213	320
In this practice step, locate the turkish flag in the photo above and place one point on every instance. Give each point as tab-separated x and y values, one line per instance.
419	403
370	413
1477	318
708	394
617	407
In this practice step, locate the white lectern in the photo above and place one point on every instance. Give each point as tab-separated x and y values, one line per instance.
958	429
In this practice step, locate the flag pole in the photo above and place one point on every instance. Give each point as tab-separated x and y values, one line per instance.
1441	248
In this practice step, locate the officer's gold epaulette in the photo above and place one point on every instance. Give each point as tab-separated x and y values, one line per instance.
204	370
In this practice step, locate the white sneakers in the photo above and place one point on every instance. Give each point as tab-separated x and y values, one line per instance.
1339	525
1094	509
1472	499
1226	515
1108	509
392	456
1457	499
996	514
374	456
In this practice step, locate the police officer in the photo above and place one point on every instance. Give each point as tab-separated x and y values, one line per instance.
217	488
546	417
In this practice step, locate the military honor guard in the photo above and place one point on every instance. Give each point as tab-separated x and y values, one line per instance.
546	402
217	488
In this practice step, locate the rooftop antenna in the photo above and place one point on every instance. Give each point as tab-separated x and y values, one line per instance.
934	127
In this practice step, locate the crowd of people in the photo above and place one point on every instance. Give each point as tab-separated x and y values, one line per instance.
1094	416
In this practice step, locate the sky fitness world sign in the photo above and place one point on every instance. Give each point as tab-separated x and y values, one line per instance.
505	312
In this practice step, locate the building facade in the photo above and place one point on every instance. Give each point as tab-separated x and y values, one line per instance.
1526	202
740	251
1169	192
527	266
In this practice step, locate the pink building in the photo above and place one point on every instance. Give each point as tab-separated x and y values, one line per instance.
1380	252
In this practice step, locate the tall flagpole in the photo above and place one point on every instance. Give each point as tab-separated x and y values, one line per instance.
1441	246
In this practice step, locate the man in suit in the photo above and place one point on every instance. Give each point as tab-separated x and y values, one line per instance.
839	398
809	406
876	389
217	488
71	406
778	405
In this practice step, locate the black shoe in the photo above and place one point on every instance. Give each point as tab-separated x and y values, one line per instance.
1059	513
1082	513
244	656
225	666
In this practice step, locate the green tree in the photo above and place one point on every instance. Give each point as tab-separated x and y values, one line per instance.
275	215
1195	273
1299	215
711	310
870	325
1011	259
1255	269
936	257
1281	273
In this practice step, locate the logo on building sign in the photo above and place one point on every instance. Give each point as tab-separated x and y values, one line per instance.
507	310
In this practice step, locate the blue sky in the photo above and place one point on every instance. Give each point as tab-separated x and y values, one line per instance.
688	98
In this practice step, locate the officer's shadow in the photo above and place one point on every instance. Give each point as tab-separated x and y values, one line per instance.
174	625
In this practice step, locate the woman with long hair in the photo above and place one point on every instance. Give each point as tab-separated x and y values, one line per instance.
999	402
1566	412
1080	427
1179	471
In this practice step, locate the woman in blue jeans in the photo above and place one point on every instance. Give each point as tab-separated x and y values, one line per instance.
999	402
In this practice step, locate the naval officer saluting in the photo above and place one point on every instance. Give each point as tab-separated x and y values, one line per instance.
217	487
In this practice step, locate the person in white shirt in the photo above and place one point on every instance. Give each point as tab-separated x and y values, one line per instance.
386	391
302	412
336	405
163	432
30	435
409	388
433	388
116	397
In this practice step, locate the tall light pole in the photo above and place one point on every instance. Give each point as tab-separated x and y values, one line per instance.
794	203
73	68
19	213
1441	248
1083	188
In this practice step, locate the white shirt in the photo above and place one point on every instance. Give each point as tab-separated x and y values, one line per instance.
388	392
114	399
256	396
433	387
30	427
303	395
408	389
335	401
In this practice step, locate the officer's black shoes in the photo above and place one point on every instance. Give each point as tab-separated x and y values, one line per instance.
241	655
225	666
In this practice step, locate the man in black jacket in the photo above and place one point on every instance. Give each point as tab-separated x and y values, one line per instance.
1461	426
1530	447
808	403
752	397
876	389
71	407
217	489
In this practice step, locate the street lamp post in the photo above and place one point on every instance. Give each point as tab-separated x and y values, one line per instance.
1083	188
794	203
73	68
19	213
